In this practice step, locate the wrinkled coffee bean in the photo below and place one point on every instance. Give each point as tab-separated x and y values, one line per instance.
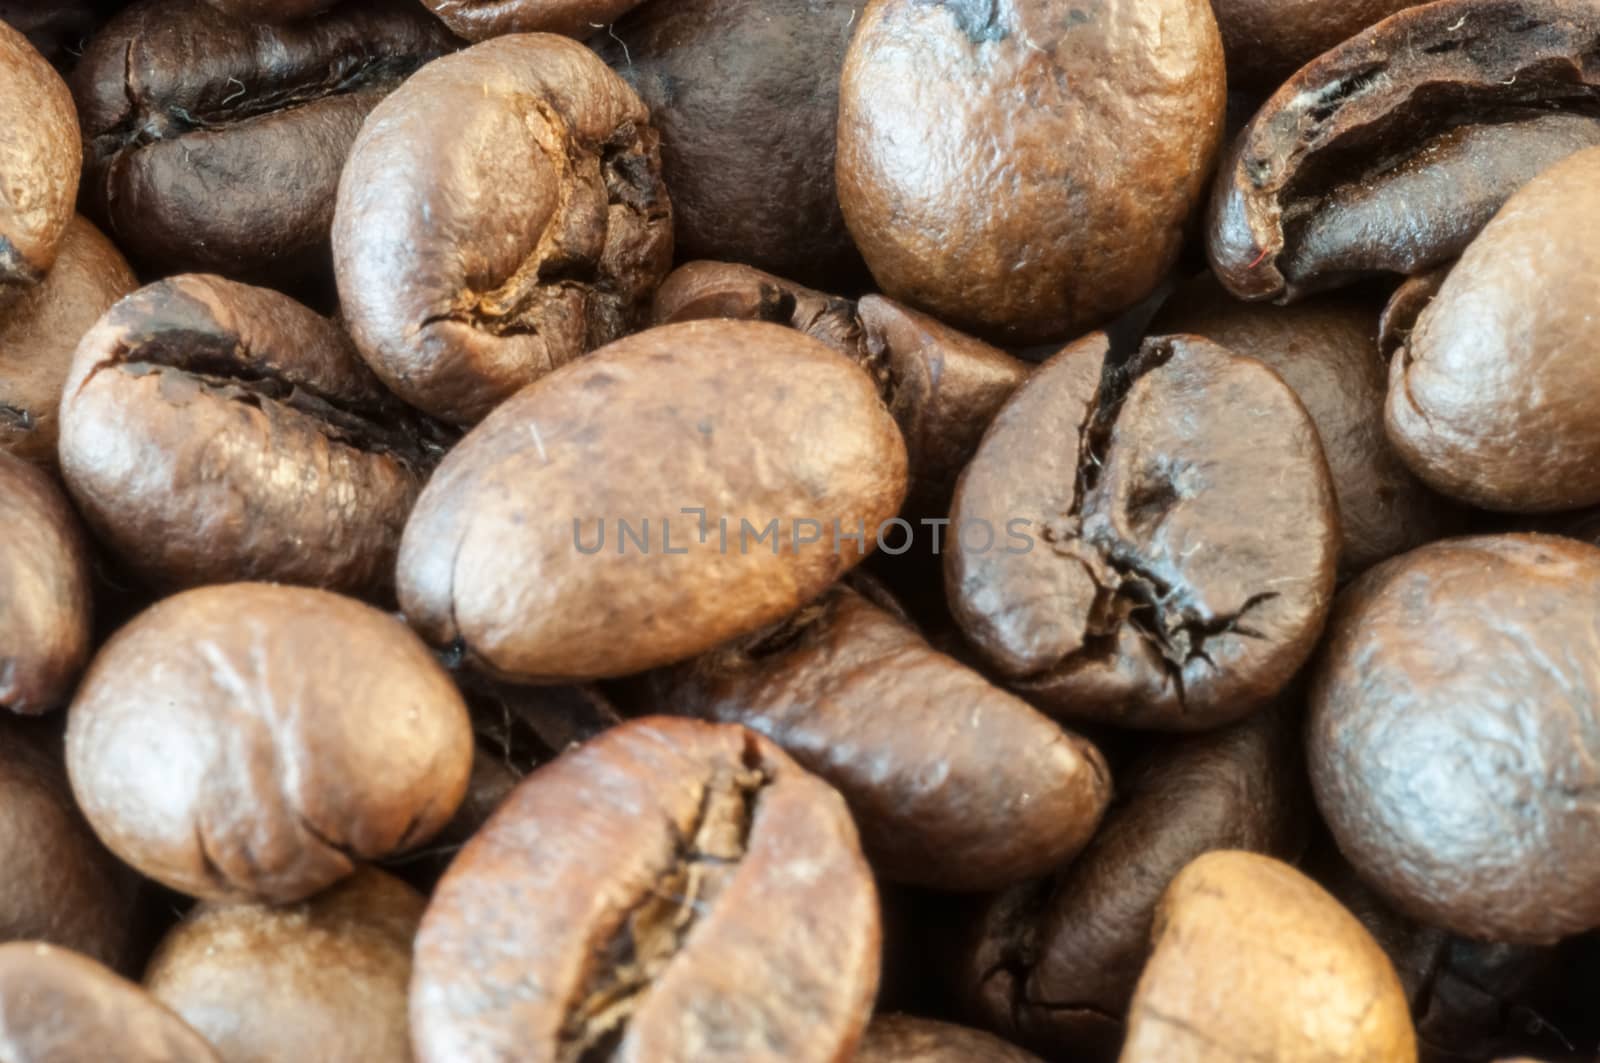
904	1039
212	432
467	272
215	145
39	161
1252	960
1495	396
749	449
45	601
59	1007
323	980
671	891
219	747
271	10
1025	170
40	330
478	20
1267	40
1112	553
1391	151
1453	735
954	783
746	96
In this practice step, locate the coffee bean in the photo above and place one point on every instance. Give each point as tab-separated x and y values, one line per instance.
478	20
673	890
467	273
39	164
905	1039
1405	306
222	746
1267	40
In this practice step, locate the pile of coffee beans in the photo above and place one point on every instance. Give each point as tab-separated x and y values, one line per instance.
799	531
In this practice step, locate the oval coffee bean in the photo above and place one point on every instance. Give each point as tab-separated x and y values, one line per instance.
215	145
219	747
1391	151
1495	396
1025	170
212	432
39	162
45	595
1267	40
1455	730
478	20
530	550
466	273
323	980
905	1039
671	891
59	1007
1112	552
954	783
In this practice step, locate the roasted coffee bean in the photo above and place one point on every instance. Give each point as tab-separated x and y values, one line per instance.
1024	170
1267	40
671	891
1495	396
59	1007
45	601
478	20
39	332
1391	151
1326	350
213	432
1453	735
905	1039
215	145
647	503
1252	960
1405	306
271	10
251	741
39	161
468	271
746	96
1113	552
954	783
323	980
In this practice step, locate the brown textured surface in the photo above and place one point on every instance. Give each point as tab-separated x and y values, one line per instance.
1453	737
1495	398
1252	960
1162	587
907	1039
478	20
272	10
1025	170
954	783
1391	151
39	160
748	421
467	273
219	748
671	891
1267	40
1405	306
323	980
59	28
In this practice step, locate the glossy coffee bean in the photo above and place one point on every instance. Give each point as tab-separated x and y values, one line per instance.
59	1007
906	1039
214	144
478	20
1495	396
1453	732
1112	553
223	748
40	331
45	602
215	432
1252	960
1267	40
519	554
39	161
467	272
954	783
671	891
325	979
1025	170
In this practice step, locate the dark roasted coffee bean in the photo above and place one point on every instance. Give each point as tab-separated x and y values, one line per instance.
215	432
467	272
322	980
45	602
1267	40
905	1039
213	144
647	503
746	96
1113	554
1391	151
671	891
954	783
251	741
1495	396
59	1007
1024	170
478	20
39	161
